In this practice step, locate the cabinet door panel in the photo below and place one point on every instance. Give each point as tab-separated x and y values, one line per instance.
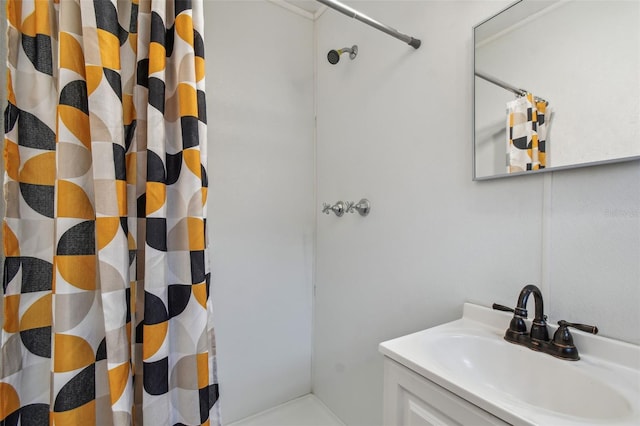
417	412
412	400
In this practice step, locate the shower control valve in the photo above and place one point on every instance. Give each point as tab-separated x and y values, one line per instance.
337	208
363	207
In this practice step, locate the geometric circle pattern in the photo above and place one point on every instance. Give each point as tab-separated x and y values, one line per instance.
526	134
106	279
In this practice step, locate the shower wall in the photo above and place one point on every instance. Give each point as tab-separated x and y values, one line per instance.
394	126
261	197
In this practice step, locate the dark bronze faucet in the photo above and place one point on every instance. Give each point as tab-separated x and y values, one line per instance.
560	346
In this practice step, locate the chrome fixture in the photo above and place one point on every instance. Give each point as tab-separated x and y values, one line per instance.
352	13
337	208
334	55
513	89
561	346
363	207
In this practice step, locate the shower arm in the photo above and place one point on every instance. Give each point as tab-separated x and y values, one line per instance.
413	42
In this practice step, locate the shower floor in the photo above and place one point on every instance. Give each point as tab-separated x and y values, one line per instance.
304	411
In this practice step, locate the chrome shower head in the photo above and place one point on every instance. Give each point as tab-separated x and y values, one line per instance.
334	55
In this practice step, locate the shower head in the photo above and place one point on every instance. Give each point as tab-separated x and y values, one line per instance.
334	55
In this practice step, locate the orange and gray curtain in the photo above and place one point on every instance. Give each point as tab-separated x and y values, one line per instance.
526	134
107	317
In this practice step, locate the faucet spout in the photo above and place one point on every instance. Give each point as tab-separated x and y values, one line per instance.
539	332
521	308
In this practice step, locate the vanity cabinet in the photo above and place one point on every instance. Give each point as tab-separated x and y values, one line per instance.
412	400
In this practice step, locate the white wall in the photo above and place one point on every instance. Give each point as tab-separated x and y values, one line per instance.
394	125
261	216
593	249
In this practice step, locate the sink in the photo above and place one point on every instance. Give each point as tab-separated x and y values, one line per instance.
507	369
470	358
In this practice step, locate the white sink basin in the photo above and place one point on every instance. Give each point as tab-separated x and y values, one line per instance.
470	358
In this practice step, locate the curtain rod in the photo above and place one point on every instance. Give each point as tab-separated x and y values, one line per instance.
352	13
507	86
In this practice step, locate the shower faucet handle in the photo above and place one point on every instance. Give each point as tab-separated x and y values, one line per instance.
363	207
337	208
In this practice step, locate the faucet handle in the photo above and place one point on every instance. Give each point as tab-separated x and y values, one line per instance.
517	326
337	208
498	307
563	340
363	207
582	327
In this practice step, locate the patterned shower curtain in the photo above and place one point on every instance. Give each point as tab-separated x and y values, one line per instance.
527	121
107	318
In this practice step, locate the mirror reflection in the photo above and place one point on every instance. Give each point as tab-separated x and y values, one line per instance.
557	85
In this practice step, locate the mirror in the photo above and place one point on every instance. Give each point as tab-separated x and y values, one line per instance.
583	58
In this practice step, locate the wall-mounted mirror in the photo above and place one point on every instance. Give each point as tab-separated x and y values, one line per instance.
580	60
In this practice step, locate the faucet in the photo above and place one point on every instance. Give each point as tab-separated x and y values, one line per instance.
517	331
561	346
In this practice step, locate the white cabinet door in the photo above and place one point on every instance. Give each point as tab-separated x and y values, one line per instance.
412	400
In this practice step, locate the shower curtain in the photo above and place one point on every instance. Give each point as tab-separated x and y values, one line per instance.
526	134
107	317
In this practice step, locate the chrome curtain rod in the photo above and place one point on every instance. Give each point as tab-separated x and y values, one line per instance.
498	82
352	13
507	86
